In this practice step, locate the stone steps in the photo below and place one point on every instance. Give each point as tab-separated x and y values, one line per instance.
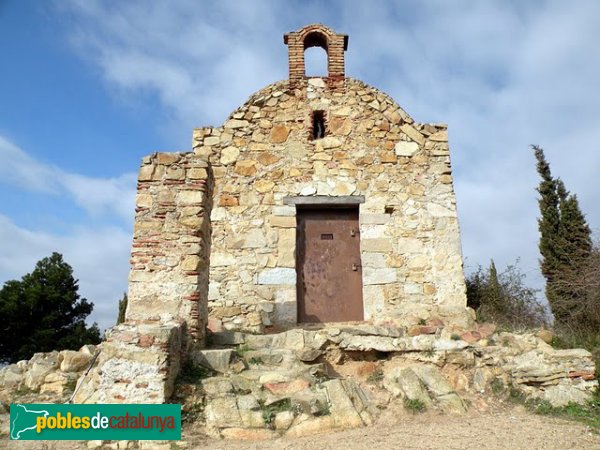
303	381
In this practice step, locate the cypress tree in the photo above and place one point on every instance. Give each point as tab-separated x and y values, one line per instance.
494	288
548	225
122	309
575	234
565	243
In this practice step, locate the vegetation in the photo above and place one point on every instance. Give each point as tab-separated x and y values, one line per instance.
270	411
242	349
122	309
504	299
375	377
44	312
322	409
191	373
589	413
497	386
414	405
255	361
569	261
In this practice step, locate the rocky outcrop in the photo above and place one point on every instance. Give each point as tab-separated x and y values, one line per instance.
137	363
305	381
46	376
302	381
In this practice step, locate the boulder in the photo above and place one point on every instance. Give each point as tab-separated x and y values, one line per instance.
73	361
41	365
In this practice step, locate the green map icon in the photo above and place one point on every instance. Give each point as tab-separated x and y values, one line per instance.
24	420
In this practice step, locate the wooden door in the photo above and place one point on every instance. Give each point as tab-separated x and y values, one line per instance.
328	265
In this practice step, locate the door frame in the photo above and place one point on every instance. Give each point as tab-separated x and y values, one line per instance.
327	204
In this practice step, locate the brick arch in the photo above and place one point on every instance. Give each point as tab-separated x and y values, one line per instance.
316	35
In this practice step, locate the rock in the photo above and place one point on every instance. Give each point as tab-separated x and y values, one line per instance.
340	126
435	382
216	386
407	149
286	388
403	382
545	335
471	336
379	276
41	365
486	330
310	426
254	238
252	419
452	404
244	434
236	123
245	168
248	403
308	354
272	378
266	159
283	420
229	155
440	136
11	377
215	359
316	82
55	383
222	412
565	393
263	186
342	409
279	134
413	133
330	142
277	276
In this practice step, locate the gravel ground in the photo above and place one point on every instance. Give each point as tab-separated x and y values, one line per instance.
510	429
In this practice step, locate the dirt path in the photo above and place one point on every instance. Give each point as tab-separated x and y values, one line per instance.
509	429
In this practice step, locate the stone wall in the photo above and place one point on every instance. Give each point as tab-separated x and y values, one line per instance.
171	241
410	245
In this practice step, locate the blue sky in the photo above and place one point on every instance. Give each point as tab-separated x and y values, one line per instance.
87	88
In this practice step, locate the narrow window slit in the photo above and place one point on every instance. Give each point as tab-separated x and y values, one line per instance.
318	125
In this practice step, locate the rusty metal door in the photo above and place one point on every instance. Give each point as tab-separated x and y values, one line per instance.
328	265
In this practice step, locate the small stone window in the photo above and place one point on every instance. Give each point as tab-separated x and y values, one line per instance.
318	124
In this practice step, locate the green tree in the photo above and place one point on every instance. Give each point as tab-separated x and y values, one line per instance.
43	312
122	309
548	223
565	242
503	298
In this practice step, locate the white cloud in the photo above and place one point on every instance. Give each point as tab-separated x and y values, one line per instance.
97	196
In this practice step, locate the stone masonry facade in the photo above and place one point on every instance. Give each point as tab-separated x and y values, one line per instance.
239	267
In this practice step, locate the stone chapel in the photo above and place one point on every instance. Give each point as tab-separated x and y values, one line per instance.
319	200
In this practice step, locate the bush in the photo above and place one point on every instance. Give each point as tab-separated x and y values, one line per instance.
504	299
